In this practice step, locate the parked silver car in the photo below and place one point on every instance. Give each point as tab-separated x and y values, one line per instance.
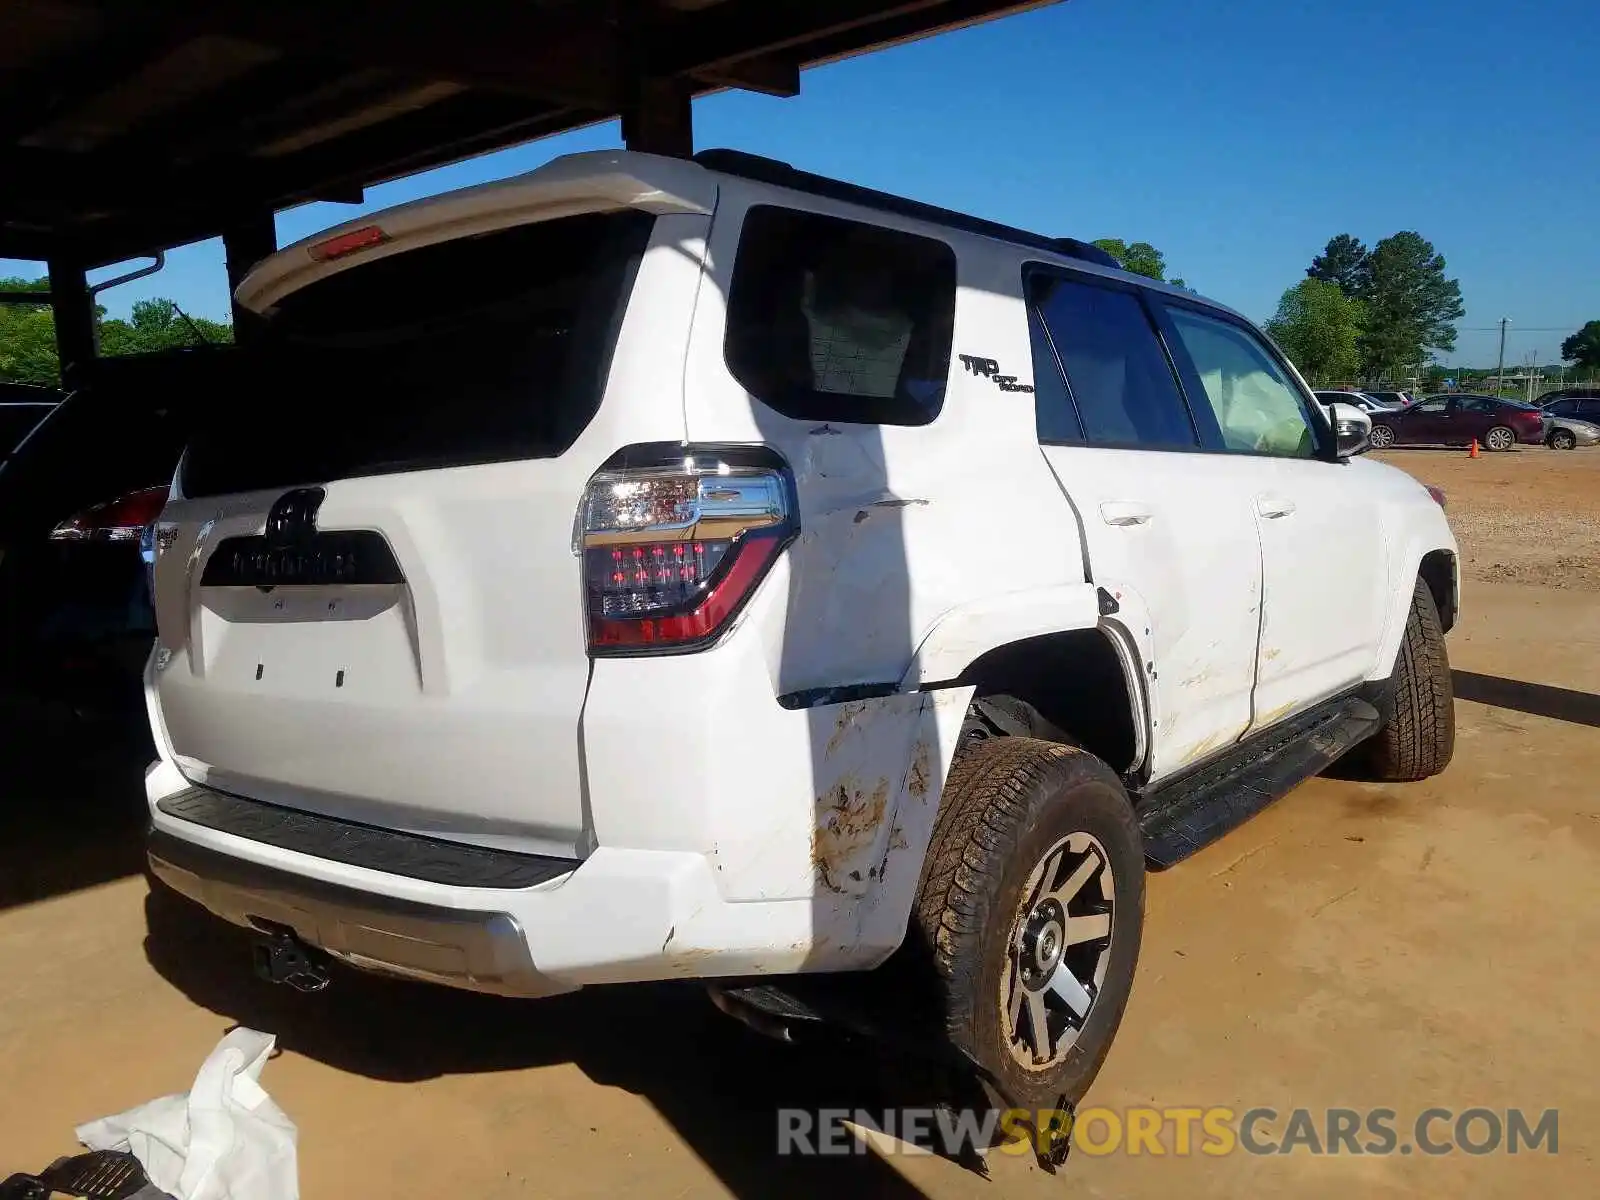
1568	433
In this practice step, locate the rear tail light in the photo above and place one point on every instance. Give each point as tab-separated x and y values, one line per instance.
671	553
120	520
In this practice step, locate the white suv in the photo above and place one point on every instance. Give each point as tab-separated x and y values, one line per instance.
647	569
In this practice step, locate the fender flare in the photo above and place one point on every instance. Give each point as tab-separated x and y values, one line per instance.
962	635
1394	627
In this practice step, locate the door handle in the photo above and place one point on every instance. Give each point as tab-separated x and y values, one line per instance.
1125	512
1274	506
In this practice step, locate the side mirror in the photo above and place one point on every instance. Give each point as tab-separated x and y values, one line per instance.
1352	429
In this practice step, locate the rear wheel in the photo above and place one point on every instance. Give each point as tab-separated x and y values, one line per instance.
1381	437
1561	439
1419	735
1499	438
1032	906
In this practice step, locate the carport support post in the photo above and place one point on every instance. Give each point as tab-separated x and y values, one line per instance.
73	309
246	242
659	119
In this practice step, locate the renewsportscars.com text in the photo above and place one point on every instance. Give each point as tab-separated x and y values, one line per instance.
1215	1131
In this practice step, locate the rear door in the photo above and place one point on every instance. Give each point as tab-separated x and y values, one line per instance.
1321	541
1169	529
367	597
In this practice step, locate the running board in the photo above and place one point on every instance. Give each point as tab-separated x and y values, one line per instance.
1189	813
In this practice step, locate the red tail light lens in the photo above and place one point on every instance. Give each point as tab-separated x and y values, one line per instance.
119	520
671	554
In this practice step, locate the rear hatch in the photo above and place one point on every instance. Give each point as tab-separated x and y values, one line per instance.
367	596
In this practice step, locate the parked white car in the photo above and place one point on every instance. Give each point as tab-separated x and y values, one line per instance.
648	569
1361	400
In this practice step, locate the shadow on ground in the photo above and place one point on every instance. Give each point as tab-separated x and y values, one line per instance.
718	1084
72	808
1537	699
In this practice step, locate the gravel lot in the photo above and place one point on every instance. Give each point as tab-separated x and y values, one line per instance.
1528	516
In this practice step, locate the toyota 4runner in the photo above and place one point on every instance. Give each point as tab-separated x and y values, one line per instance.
648	568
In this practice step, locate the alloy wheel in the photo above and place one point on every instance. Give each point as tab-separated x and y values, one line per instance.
1381	436
1499	439
1059	948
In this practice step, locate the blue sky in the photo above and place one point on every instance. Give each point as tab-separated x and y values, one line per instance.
1236	137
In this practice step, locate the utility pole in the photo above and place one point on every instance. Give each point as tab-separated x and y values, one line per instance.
1500	367
1533	360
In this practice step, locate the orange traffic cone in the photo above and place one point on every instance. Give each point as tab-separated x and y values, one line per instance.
1472	450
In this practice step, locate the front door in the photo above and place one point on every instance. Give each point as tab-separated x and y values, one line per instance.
1428	421
1170	531
1321	541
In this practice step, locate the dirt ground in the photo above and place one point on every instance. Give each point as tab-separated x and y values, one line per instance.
1357	946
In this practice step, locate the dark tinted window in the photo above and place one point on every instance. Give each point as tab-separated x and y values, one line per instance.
477	349
1480	404
1120	381
1435	404
1589	408
1563	408
834	320
1054	415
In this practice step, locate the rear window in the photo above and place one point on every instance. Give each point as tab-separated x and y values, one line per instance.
835	320
474	350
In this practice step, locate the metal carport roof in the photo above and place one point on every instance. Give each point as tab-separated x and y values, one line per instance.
128	126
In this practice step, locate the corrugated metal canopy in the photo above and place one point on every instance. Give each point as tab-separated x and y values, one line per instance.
126	127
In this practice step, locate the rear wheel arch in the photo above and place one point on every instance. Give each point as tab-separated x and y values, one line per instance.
1076	686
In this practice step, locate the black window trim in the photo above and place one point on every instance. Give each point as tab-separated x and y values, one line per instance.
1316	420
1034	270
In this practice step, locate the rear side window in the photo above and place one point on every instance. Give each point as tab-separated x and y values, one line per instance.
835	320
473	350
1121	385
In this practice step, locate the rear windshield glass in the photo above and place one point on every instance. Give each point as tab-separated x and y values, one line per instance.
473	350
835	320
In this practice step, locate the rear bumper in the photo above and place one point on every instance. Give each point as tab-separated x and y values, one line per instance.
619	916
483	951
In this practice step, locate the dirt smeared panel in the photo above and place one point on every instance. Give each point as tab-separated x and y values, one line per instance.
848	825
886	766
862	781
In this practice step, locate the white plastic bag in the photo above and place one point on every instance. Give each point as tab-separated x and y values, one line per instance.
225	1140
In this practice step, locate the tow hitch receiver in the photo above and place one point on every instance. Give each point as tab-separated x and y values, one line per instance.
280	957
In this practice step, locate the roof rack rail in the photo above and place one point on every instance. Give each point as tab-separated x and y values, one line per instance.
771	170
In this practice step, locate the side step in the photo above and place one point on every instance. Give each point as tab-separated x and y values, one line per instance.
1194	810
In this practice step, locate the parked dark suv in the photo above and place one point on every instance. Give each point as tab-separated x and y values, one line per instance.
1456	419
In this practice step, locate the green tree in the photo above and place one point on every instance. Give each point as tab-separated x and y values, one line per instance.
1583	347
1411	307
157	324
28	333
1344	261
1141	258
1319	327
27	337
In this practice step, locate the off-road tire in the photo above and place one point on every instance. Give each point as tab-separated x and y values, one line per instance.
1419	732
1007	802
